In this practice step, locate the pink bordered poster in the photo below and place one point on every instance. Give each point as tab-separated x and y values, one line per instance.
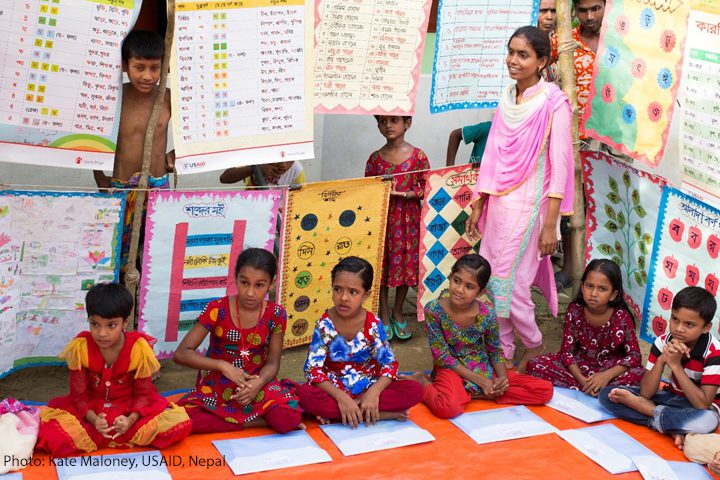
241	88
620	223
636	76
445	209
191	244
368	55
687	245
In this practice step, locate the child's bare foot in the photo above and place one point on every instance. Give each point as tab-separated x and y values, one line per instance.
400	416
302	426
629	399
323	420
420	377
679	440
528	355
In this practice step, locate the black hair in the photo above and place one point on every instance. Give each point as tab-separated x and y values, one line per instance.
142	44
404	117
108	300
698	300
575	2
477	265
259	259
612	271
538	40
356	265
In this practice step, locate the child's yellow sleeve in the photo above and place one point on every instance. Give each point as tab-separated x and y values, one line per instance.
143	360
76	354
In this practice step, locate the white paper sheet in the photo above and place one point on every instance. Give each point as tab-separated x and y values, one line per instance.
385	435
124	466
688	470
271	452
653	468
603	444
578	405
502	424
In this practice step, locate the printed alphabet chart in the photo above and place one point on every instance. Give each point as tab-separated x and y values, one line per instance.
685	254
369	54
469	68
60	80
241	94
700	99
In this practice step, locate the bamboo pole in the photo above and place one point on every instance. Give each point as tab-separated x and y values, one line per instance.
132	276
566	48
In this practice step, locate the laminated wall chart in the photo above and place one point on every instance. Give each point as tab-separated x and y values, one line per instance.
470	48
636	76
368	55
60	80
685	254
700	98
445	209
53	248
192	242
618	225
325	222
242	88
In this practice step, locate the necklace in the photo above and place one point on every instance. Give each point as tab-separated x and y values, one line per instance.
245	350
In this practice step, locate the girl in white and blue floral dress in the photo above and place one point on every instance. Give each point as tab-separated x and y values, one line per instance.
351	369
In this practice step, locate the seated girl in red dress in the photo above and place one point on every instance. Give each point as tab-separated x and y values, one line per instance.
112	401
236	385
350	368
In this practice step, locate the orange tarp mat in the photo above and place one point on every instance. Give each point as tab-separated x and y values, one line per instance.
452	455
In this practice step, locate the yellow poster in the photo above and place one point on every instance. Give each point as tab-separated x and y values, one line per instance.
325	222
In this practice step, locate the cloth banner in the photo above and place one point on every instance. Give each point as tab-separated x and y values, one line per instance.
687	244
325	222
636	76
445	209
620	219
700	99
192	242
53	248
241	92
368	55
60	80
470	48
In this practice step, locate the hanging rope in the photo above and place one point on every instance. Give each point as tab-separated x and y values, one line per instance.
132	276
566	48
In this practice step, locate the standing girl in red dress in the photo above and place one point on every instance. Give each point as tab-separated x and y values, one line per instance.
599	346
236	385
112	400
402	237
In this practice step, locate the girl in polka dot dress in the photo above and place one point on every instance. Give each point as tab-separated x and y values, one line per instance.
236	386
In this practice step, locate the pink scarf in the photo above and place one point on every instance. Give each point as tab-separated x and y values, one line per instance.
517	138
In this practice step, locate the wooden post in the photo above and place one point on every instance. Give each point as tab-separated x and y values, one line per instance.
132	276
566	48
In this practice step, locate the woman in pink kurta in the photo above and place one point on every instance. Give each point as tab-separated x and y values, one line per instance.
525	182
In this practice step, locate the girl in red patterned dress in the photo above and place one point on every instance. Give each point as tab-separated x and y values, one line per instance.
112	401
402	237
599	346
236	385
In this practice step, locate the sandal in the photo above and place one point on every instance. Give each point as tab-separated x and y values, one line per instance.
562	280
388	330
400	327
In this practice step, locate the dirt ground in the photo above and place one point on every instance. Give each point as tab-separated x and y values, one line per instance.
43	383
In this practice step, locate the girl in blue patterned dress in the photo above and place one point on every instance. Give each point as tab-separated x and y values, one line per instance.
351	370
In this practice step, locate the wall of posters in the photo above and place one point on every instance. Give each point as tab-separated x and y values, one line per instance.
325	222
191	244
53	248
